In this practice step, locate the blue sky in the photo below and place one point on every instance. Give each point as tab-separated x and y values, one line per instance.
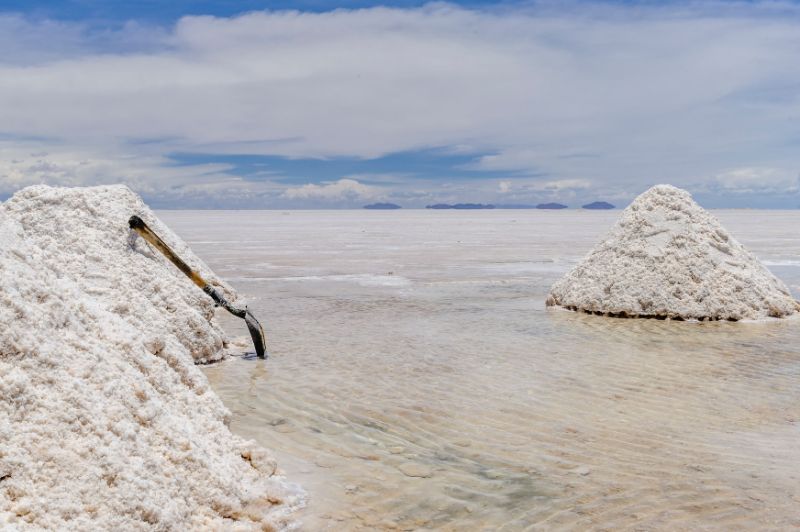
100	11
319	104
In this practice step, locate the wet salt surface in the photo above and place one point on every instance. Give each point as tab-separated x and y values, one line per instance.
417	380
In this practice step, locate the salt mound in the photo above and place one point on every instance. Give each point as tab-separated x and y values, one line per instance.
105	421
669	258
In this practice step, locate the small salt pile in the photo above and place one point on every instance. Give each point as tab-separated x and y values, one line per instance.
669	258
105	421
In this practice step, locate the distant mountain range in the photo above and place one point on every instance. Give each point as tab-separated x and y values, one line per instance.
383	206
528	206
598	205
460	206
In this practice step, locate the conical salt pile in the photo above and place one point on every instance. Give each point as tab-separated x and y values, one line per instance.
105	421
669	258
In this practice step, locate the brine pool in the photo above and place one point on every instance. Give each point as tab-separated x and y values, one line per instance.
417	381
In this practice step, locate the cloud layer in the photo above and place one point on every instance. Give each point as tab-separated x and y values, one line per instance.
569	101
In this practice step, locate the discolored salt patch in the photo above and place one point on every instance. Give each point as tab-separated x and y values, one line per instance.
105	421
669	258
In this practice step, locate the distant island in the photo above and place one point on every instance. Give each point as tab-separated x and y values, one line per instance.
598	205
595	205
460	206
383	206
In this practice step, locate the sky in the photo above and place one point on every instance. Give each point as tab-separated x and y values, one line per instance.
325	104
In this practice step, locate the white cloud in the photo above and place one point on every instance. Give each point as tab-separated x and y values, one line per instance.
759	181
153	176
533	190
382	178
622	96
341	190
560	185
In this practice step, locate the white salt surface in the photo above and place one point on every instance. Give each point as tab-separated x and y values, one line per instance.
105	421
466	375
359	279
668	257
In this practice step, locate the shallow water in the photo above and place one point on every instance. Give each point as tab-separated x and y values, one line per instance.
417	381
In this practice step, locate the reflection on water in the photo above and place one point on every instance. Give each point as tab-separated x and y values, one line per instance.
418	382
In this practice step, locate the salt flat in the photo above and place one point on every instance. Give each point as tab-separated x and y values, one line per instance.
417	380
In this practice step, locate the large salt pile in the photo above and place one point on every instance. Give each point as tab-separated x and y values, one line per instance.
669	258
105	421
